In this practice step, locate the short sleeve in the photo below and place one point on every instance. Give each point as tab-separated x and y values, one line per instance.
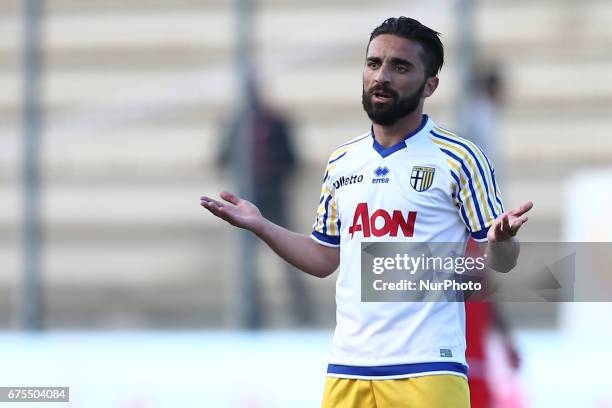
326	228
478	197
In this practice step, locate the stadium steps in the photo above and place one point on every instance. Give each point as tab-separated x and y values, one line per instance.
135	93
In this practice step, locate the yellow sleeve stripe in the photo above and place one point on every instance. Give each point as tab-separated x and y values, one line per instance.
327	213
455	167
324	193
330	167
464	194
476	180
484	163
332	218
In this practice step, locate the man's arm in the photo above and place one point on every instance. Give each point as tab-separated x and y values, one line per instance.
502	248
297	249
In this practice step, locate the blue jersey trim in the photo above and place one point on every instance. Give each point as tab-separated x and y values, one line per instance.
332	240
354	141
325	215
465	218
480	235
399	369
458	197
480	170
386	151
470	186
458	184
337	158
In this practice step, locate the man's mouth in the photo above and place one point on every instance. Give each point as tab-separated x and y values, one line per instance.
381	96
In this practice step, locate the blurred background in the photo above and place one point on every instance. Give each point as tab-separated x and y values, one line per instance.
116	116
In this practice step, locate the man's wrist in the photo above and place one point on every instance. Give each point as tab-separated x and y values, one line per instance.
261	227
503	255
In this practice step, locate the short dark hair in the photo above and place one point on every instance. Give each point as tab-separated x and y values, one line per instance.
411	29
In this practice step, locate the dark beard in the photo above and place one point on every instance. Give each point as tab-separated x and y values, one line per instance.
390	114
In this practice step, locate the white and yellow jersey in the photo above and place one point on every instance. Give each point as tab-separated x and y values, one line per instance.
432	187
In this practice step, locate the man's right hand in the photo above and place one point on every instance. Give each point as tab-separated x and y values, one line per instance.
237	211
297	249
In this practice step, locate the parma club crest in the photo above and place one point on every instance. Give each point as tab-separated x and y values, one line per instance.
422	178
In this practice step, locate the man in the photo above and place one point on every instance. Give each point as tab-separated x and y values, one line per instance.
272	162
395	354
480	114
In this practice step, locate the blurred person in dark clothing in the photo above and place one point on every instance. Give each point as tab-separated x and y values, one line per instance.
480	115
272	161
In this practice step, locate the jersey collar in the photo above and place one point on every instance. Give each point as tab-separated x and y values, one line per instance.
384	152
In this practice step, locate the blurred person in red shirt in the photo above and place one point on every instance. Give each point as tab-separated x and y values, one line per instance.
488	334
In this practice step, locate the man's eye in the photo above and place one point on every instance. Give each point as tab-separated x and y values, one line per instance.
401	68
372	64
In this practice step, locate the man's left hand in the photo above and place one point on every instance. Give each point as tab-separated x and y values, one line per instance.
507	225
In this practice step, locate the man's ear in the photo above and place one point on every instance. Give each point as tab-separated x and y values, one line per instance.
430	86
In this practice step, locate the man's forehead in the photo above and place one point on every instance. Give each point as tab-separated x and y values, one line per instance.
393	46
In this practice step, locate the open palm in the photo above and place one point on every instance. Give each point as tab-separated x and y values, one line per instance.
237	211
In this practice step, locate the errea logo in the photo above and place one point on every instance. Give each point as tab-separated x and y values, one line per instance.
381	173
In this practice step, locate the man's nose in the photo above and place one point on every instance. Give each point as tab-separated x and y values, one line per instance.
382	75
